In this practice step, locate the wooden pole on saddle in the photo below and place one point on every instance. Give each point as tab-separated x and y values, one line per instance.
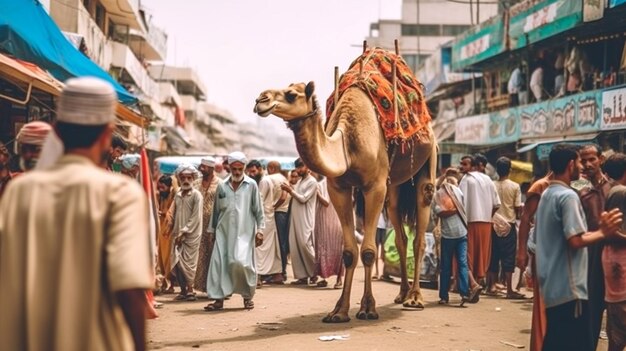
364	46
394	84
395	44
336	99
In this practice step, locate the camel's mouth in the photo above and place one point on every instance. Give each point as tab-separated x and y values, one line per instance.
266	112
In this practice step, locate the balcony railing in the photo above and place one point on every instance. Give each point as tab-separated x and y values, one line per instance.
124	58
96	42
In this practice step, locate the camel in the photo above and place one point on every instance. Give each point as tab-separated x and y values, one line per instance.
352	152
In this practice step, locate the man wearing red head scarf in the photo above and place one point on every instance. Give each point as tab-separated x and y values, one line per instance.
28	143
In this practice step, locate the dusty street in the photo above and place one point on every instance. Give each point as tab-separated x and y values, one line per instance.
289	318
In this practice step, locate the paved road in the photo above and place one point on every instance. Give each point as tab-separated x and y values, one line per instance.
293	322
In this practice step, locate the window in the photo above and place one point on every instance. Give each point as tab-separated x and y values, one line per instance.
452	30
413	60
433	30
423	30
100	17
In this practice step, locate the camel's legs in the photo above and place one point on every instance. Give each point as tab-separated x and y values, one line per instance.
393	211
342	201
374	201
425	191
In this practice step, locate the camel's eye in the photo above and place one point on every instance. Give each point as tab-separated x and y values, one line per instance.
290	96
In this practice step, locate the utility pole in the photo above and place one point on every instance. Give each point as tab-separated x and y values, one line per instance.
471	5
417	26
477	11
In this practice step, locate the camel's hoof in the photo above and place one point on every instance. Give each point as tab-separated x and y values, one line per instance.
413	304
400	298
362	315
336	318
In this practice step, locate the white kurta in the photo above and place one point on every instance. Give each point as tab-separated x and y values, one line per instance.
236	217
70	238
188	222
268	254
301	226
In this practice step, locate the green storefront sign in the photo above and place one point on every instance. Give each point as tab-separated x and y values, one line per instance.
543	20
479	43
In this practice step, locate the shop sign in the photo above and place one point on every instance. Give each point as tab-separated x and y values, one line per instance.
503	126
614	3
479	43
472	130
614	109
543	20
593	10
565	116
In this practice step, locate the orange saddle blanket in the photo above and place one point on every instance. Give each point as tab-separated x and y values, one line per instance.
376	81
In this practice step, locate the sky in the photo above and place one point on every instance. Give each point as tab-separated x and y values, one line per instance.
242	47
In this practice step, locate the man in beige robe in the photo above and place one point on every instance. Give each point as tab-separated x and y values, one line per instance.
74	244
207	188
186	231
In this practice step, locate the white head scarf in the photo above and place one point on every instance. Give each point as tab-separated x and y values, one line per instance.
186	168
130	160
237	156
208	161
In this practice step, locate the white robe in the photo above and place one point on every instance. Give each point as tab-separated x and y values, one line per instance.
301	226
71	236
268	259
187	221
236	217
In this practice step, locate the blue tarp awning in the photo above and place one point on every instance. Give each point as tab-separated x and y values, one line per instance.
28	33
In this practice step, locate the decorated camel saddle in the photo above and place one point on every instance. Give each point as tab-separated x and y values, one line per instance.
375	77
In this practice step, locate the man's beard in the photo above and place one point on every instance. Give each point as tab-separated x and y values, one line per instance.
257	177
164	194
575	175
237	179
186	186
27	165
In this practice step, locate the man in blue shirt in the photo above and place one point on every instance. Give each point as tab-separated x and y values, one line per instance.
561	254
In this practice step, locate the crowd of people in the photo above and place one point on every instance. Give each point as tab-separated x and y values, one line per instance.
233	234
231	226
571	244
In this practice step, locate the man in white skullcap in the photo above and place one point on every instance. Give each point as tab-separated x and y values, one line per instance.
207	188
28	143
83	232
237	223
186	214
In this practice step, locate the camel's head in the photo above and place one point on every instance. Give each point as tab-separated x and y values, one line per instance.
290	104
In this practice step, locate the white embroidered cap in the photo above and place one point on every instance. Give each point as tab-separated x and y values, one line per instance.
87	101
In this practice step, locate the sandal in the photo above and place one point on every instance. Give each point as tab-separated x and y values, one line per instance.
216	306
443	302
313	280
248	304
515	296
474	296
302	281
491	293
322	284
180	297
338	285
191	297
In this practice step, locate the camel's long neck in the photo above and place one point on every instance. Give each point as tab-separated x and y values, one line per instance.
323	154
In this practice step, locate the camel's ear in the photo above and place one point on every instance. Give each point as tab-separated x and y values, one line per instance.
310	88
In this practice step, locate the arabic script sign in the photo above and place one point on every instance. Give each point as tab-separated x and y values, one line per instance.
614	109
472	130
564	116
